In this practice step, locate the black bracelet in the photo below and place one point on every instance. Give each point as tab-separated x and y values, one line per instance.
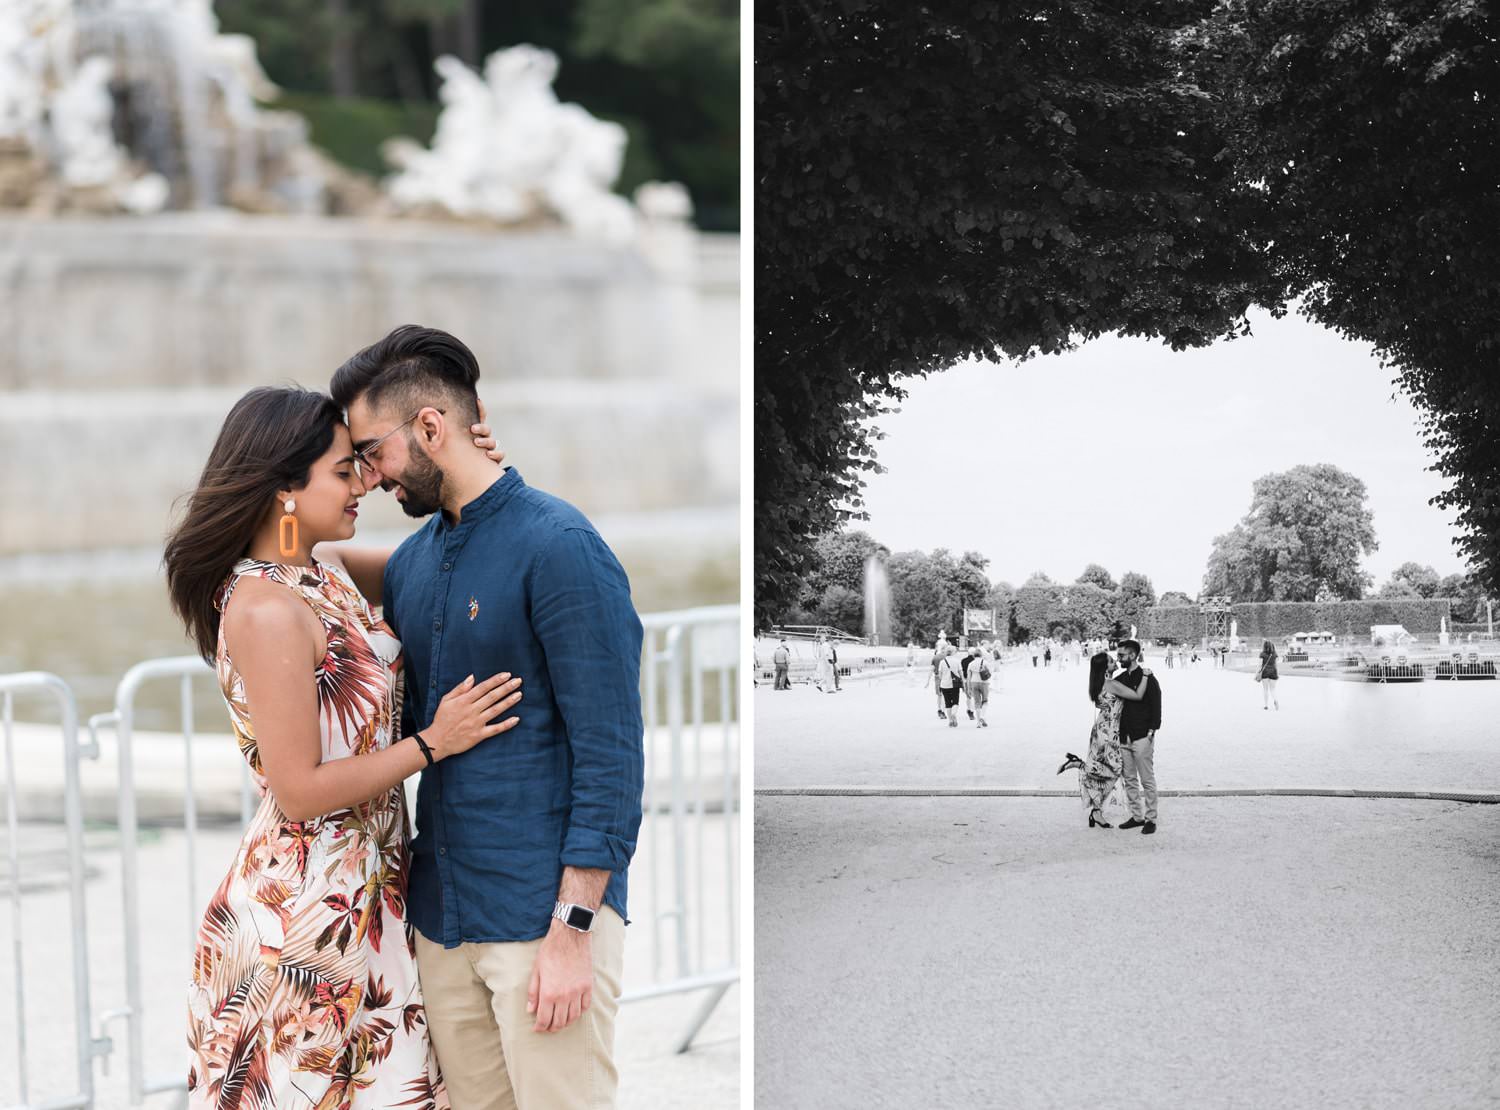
426	751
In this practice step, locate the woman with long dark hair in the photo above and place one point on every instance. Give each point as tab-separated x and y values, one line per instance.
304	987
1266	675
1098	773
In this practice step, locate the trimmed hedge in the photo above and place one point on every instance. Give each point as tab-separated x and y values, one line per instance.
1273	620
1180	623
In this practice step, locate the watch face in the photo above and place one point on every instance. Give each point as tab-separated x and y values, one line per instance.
580	918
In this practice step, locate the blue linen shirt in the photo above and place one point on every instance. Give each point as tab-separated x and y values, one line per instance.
522	583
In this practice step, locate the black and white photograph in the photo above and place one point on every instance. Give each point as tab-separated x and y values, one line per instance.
1126	555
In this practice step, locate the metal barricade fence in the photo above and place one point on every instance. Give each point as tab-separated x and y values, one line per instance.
681	653
87	1047
183	668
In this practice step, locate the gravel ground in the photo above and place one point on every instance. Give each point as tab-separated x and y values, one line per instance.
1256	952
885	732
1287	952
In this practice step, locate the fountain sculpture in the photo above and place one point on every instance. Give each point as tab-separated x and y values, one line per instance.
138	106
507	150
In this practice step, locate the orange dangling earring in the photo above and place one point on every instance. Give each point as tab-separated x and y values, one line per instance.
288	546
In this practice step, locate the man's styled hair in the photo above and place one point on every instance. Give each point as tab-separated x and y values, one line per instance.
411	367
1133	645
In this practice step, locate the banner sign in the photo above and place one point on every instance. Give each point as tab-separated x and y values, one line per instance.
979	620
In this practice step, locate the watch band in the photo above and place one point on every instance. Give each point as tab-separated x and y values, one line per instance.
573	916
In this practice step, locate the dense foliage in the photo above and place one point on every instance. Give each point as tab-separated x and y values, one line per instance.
1302	539
930	591
940	181
668	70
1370	126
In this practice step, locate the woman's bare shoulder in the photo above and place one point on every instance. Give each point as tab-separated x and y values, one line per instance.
261	612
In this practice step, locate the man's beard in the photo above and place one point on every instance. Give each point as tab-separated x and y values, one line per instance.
423	482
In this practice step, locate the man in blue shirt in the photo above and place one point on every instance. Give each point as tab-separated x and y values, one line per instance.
518	872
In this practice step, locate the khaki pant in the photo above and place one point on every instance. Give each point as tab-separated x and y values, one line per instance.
1139	764
491	1058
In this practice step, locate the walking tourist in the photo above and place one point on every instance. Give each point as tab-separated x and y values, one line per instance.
1266	675
950	682
978	675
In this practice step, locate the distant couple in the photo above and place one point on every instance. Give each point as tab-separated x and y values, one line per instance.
1123	741
478	965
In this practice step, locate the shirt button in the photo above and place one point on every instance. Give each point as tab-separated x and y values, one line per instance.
437	626
442	851
447	565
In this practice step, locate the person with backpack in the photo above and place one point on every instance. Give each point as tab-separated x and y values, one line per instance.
970	654
950	683
979	688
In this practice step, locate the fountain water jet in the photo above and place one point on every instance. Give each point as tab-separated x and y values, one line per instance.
877	601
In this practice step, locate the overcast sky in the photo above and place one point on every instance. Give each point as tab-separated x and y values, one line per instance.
1131	455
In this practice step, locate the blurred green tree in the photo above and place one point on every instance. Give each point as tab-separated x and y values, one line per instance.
666	70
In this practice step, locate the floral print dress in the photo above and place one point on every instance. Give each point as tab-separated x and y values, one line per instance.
304	986
1103	765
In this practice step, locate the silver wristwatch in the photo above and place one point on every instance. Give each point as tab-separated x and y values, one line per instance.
574	917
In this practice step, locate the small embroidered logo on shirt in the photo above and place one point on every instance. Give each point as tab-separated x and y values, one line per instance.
473	608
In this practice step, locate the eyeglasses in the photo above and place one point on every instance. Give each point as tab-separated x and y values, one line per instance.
364	457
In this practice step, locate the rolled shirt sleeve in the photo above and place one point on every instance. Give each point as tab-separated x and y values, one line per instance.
591	639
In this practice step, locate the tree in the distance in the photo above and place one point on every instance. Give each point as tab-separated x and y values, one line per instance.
1003	601
842	608
922	597
839	559
1307	529
1098	576
1135	597
1468	595
1036	601
1083	610
1412	580
1174	597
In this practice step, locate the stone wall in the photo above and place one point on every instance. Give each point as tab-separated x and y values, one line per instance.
610	375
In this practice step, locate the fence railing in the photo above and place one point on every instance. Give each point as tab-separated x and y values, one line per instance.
87	1046
690	697
681	651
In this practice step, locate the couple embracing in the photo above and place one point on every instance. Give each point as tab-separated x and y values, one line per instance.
1127	703
478	965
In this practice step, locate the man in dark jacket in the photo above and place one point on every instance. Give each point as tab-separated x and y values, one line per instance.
1139	721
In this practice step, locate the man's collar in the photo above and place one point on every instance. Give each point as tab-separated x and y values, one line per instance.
487	503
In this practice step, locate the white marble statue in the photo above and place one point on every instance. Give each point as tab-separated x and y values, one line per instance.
506	149
81	112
